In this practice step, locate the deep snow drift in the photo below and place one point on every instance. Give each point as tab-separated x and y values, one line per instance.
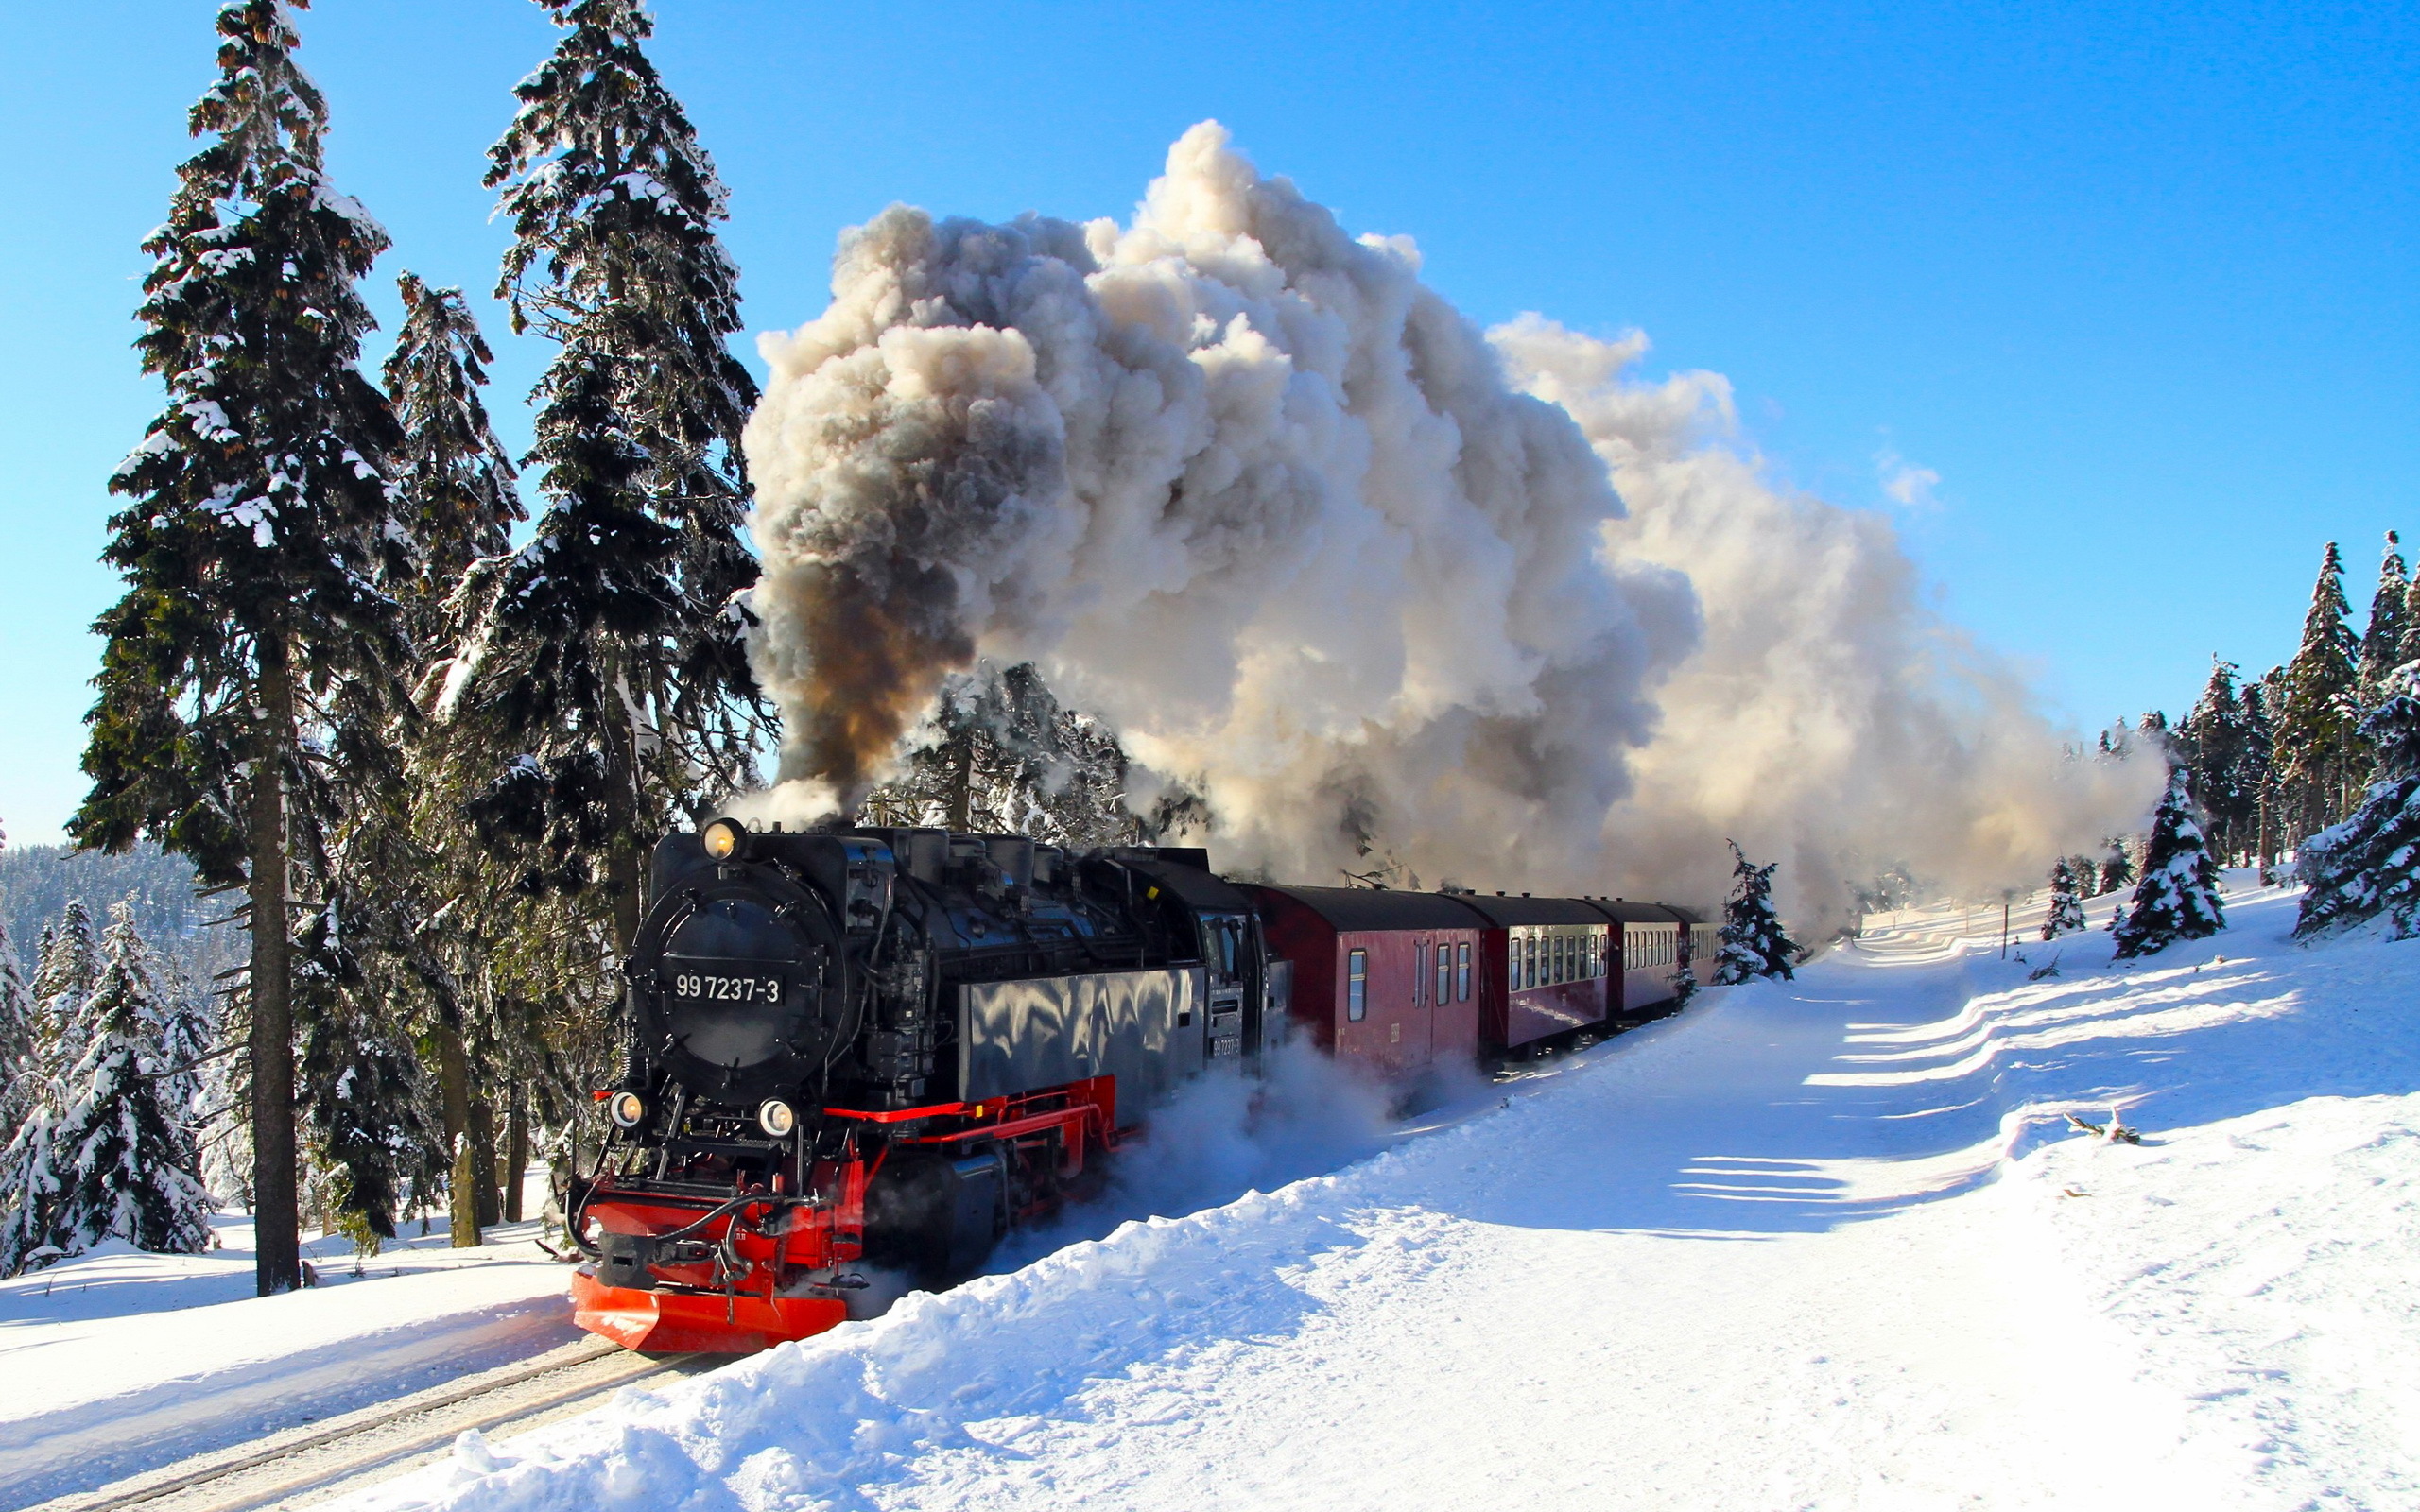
1829	1244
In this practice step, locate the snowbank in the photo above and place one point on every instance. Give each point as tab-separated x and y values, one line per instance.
117	1362
1827	1244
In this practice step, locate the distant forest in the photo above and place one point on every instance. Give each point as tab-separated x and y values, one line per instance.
188	931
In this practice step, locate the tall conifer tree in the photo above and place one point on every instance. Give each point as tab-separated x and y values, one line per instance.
2178	896
123	1162
2315	740
1753	943
2217	744
2382	640
605	676
259	508
2369	866
459	491
2066	916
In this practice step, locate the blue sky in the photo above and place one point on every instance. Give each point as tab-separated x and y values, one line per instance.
2136	283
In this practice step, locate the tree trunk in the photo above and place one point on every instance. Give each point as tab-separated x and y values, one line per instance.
516	1151
961	784
482	1143
277	1257
463	1184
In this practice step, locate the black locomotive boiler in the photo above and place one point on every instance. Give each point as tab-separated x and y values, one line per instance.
884	1047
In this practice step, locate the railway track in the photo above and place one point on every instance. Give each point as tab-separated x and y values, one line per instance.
316	1462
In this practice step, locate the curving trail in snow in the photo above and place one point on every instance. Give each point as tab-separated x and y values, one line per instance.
1827	1244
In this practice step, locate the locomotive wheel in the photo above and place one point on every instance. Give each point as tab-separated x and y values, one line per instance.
934	1216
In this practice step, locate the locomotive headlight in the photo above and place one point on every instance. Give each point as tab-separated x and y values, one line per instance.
776	1118
722	838
628	1109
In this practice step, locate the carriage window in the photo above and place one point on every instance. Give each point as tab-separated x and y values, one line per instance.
1446	971
1562	972
1356	986
1419	970
1526	972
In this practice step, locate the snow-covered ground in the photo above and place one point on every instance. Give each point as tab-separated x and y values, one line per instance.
117	1361
1827	1244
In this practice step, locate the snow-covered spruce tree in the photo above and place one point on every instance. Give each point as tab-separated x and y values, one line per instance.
2117	865
2260	762
64	973
1753	944
19	1039
2066	914
1000	756
432	915
2369	866
2178	896
604	682
2315	740
258	513
2382	640
24	1081
2216	744
124	1162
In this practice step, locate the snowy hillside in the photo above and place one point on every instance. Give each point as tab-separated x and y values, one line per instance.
1829	1244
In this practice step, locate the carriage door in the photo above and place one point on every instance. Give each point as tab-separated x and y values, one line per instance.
1420	1035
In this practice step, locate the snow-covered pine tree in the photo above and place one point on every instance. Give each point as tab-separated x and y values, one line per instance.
19	1036
2215	744
2178	896
2382	640
23	1076
2369	866
1000	756
70	963
1753	944
2315	740
259	514
2260	762
2085	874
459	491
604	680
2117	865
455	478
2066	915
124	1162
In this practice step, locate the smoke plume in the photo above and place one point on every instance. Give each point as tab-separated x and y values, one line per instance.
1356	573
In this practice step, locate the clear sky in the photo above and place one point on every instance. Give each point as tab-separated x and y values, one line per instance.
2136	283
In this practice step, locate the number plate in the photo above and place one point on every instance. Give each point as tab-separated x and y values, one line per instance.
720	984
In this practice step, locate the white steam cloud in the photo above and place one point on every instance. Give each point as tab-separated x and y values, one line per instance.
1361	575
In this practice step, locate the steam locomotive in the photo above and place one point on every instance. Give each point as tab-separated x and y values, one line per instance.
885	1048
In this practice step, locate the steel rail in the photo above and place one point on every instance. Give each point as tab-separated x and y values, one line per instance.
147	1490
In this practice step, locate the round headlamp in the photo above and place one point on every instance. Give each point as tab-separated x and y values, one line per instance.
723	838
777	1118
627	1109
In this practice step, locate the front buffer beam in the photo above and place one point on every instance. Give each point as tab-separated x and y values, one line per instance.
696	1323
